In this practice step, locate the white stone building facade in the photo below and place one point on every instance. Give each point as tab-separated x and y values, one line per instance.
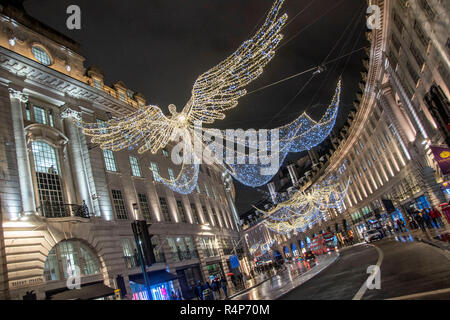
48	168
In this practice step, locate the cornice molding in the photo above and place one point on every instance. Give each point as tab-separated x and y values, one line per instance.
55	83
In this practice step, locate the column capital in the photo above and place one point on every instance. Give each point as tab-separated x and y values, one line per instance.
68	112
18	94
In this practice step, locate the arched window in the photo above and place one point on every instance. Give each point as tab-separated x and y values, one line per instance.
69	255
48	180
44	157
41	55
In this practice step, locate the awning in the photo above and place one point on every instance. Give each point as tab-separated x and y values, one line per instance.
88	292
154	277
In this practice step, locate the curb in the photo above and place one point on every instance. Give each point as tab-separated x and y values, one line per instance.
432	243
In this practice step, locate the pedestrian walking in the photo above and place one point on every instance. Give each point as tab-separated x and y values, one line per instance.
223	285
427	219
199	291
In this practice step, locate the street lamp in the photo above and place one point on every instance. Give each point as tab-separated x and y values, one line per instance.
136	226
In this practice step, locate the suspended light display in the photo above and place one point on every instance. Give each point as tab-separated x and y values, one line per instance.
305	209
214	92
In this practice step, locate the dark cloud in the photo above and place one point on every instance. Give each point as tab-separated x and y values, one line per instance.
159	47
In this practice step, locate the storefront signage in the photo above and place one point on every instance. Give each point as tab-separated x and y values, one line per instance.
27	283
442	157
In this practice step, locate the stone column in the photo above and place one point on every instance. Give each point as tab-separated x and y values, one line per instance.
77	161
23	162
399	119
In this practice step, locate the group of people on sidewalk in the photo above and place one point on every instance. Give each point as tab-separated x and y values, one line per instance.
215	290
426	218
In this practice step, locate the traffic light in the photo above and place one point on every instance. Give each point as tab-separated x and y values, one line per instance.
140	229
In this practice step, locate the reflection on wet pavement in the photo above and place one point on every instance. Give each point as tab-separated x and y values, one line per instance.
287	280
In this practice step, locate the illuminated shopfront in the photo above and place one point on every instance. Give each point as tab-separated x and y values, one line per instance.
161	285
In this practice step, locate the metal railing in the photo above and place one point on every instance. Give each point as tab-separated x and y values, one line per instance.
186	255
56	210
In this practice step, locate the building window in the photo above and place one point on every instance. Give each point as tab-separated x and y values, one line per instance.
206	190
165	209
119	204
416	54
214	192
205	212
41	55
215	218
399	23
382	143
155	171
50	118
425	40
129	253
70	254
356	150
396	43
386	136
412	72
27	111
122	96
428	10
40	115
110	162
48	181
171	175
445	74
143	202
98	84
135	170
194	214
181	211
363	166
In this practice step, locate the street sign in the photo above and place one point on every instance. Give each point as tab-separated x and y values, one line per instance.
234	261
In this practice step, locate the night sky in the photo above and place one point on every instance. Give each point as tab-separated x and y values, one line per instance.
160	47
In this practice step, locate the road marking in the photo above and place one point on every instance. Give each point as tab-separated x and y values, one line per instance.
421	294
363	289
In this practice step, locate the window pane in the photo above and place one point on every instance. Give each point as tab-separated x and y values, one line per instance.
181	211
40	115
155	171
41	55
165	209
136	171
110	162
119	204
143	201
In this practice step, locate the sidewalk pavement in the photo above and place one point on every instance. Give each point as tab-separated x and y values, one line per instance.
282	283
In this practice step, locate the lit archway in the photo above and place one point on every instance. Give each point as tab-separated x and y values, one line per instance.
68	255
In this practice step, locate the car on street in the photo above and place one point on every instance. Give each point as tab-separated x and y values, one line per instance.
372	235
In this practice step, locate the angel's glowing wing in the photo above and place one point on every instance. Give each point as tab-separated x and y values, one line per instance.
219	88
145	129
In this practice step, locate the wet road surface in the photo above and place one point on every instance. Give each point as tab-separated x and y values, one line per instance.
409	270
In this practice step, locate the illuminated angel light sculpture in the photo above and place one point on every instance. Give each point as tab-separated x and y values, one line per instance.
301	134
304	210
214	92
